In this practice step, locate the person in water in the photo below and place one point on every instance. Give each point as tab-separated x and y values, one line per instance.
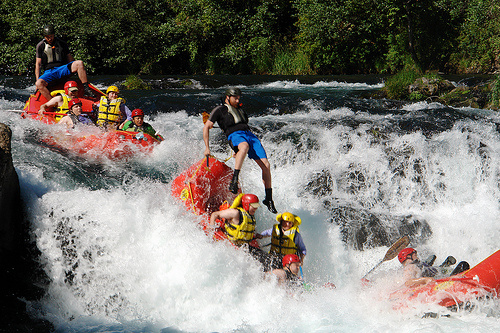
234	122
111	110
416	273
289	274
61	100
74	116
54	58
285	238
137	124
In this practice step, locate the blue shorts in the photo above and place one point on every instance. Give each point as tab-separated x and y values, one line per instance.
56	73
256	151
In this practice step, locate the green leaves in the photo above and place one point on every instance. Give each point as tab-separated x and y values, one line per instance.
257	36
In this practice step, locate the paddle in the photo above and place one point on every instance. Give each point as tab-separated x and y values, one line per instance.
207	168
392	252
45	113
307	287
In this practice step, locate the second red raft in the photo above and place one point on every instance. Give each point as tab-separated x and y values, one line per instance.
204	188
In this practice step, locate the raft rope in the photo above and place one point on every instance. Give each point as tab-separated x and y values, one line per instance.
189	183
195	173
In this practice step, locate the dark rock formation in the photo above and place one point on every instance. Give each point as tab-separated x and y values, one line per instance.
430	86
360	228
363	230
470	93
18	257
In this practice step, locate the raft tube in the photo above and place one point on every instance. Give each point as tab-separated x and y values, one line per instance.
482	280
114	145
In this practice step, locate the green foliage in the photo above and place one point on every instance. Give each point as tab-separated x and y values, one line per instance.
416	96
291	62
495	92
257	36
479	39
341	36
133	82
396	86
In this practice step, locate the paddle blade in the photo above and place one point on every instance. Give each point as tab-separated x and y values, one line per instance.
396	248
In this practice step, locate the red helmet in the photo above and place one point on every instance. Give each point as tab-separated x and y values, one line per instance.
289	258
137	112
73	102
404	253
70	84
248	199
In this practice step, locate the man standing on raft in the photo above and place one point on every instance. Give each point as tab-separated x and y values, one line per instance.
53	56
234	122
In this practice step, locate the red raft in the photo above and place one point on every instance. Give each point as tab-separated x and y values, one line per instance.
34	102
203	189
88	142
481	281
113	145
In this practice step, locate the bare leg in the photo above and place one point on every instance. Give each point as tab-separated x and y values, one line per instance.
78	67
240	155
266	172
41	85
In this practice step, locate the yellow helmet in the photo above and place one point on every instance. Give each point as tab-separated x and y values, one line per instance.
286	216
112	88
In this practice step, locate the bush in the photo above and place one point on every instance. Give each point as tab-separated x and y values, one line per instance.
291	62
396	86
134	82
495	92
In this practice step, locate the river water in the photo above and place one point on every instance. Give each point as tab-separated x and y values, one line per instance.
122	255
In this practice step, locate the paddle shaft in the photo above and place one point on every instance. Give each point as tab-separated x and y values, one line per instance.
392	252
302	276
371	270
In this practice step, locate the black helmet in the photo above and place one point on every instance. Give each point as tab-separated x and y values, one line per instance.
233	92
48	30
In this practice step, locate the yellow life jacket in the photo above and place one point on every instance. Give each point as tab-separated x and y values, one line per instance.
243	232
284	243
109	112
63	109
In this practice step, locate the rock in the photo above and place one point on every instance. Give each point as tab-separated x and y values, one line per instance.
430	86
363	230
21	275
10	197
463	96
360	228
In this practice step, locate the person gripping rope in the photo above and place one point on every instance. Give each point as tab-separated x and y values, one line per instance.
234	122
61	100
240	223
239	219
